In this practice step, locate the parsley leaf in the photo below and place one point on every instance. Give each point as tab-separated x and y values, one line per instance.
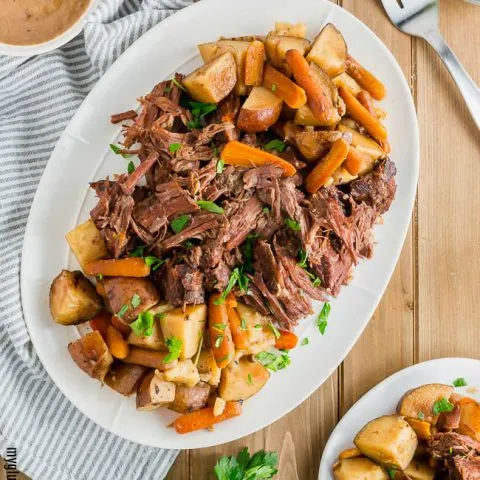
138	251
274	329
130	167
277	145
262	465
218	341
391	473
247	253
174	345
303	256
274	87
220	166
181	87
211	207
199	110
421	416
100	277
122	311
243	324
237	276
266	210
292	224
305	341
154	262
322	320
274	359
174	147
179	223
249	379
116	150
459	382
143	325
442	405
136	300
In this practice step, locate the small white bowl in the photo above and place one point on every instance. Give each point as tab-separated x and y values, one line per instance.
60	40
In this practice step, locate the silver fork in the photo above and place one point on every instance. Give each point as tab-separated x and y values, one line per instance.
420	19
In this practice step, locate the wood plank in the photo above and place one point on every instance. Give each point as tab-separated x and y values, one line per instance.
387	343
449	232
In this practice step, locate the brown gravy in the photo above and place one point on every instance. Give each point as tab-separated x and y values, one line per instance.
28	22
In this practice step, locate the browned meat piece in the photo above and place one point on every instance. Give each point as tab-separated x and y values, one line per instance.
133	179
243	221
450	420
448	444
465	468
182	284
120	117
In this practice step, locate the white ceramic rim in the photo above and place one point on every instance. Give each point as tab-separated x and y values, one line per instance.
49	45
372	292
451	367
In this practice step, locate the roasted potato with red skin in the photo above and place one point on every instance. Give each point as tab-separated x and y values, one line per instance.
260	111
190	399
358	468
314	144
124	377
154	391
212	82
389	441
419	402
119	291
91	354
419	471
73	299
149	358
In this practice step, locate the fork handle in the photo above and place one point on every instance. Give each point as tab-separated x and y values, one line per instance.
467	87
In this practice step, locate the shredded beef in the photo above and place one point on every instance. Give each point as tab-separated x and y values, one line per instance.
181	284
465	468
448	444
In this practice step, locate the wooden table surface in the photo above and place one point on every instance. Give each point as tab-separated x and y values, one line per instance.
430	308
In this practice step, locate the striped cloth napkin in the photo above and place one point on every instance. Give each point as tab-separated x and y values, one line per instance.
38	96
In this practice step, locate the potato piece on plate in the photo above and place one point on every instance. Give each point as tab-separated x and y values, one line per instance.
329	51
418	470
314	144
359	468
305	117
242	379
277	46
212	82
154	391
155	341
419	402
470	420
342	176
124	378
260	111
208	368
388	440
188	325
73	299
86	243
345	80
260	335
363	143
185	372
291	29
91	354
188	399
238	48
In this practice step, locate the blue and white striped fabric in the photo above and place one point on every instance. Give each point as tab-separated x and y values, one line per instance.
38	96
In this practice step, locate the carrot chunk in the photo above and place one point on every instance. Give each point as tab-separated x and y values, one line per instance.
286	341
123	267
219	331
101	322
239	331
356	162
366	79
117	345
293	95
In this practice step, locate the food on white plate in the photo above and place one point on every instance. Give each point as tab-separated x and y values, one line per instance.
251	188
434	435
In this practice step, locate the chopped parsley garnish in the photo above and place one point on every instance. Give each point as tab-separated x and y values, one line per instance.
263	465
322	320
391	473
276	144
209	206
122	311
274	87
459	382
174	147
143	325
218	341
220	166
167	89
274	360
174	345
292	224
138	251
305	341
154	262
274	330
219	326
116	150
249	379
421	416
130	167
199	110
181	87
266	210
303	256
257	326
237	276
247	252
188	244
243	323
179	223
317	282
442	405
136	300
100	276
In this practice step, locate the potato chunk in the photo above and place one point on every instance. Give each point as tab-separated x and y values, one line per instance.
86	243
290	29
359	468
73	299
124	378
419	402
208	368
188	326
188	399
260	335
242	379
329	51
388	440
313	145
260	111
185	372
419	471
277	46
154	391
91	354
212	82
470	420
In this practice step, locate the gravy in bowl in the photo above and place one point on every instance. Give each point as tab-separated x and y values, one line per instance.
30	22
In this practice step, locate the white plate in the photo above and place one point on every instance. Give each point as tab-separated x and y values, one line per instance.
383	400
82	155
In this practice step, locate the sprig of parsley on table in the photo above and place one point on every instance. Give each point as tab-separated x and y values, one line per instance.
262	465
